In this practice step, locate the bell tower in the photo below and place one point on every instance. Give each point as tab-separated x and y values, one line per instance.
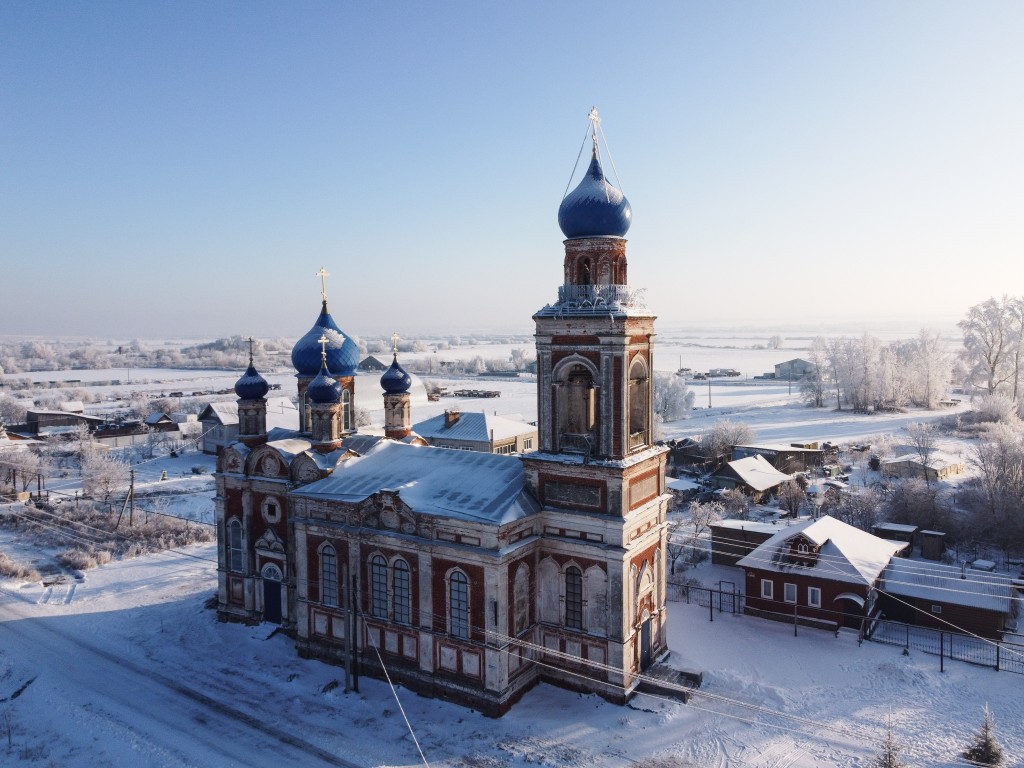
597	473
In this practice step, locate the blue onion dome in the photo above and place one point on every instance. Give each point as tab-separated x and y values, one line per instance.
342	352
324	388
395	380
595	208
251	386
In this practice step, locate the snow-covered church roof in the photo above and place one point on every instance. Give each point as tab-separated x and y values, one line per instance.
468	485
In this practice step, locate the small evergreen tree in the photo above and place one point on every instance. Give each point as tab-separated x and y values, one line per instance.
890	754
985	750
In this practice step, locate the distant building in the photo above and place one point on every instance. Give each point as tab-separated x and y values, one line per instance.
785	458
794	369
940	466
371	363
469	431
220	421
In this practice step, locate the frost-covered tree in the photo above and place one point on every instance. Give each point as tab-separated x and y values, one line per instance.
985	750
775	342
672	397
997	500
104	475
931	367
991	350
791	496
11	411
813	386
688	533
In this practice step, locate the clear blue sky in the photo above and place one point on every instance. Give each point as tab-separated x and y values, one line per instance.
183	169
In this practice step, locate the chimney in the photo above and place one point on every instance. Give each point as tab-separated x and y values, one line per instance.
450	417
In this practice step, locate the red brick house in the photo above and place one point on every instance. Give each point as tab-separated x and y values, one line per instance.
817	571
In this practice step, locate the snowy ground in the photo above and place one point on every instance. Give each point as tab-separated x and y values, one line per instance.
130	668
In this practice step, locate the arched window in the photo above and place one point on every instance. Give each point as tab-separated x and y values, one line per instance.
573	598
378	587
458	605
521	599
346	408
236	556
637	404
577	407
402	596
329	576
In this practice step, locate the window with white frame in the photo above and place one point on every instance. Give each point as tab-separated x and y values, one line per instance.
936	609
767	589
814	597
527	443
378	587
458	605
236	557
329	576
789	593
402	600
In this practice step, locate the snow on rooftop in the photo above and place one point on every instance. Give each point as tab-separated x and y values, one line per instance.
845	553
477	427
469	485
749	525
941	583
756	472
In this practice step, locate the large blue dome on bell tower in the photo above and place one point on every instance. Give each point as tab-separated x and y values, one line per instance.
595	208
342	352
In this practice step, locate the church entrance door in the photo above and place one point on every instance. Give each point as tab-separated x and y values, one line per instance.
272	577
645	644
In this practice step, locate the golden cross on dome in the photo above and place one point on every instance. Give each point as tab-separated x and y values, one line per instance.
323	274
323	347
394	343
250	350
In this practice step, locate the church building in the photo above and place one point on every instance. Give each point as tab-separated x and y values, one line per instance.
467	576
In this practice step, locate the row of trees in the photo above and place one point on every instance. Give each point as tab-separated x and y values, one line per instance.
993	354
865	374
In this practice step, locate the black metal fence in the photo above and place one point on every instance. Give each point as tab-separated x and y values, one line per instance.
949	645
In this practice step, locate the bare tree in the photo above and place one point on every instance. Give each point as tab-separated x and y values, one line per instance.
923	437
687	535
723	435
814	384
792	497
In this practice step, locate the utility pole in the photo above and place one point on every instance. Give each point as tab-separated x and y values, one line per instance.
709	390
131	497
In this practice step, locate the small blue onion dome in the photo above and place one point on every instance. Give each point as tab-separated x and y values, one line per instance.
395	380
324	388
251	386
595	208
342	352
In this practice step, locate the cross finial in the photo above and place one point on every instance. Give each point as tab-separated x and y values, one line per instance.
323	347
394	344
250	350
323	274
595	121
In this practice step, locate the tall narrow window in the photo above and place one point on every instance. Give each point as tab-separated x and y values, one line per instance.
236	559
378	587
573	598
458	605
346	406
637	405
329	576
767	589
400	587
521	593
789	593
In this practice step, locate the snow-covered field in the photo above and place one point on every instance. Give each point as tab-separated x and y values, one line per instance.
130	668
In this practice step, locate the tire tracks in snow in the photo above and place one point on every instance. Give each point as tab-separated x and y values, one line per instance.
122	675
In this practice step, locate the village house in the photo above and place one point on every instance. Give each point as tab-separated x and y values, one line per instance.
939	467
752	475
820	571
471	431
466	575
